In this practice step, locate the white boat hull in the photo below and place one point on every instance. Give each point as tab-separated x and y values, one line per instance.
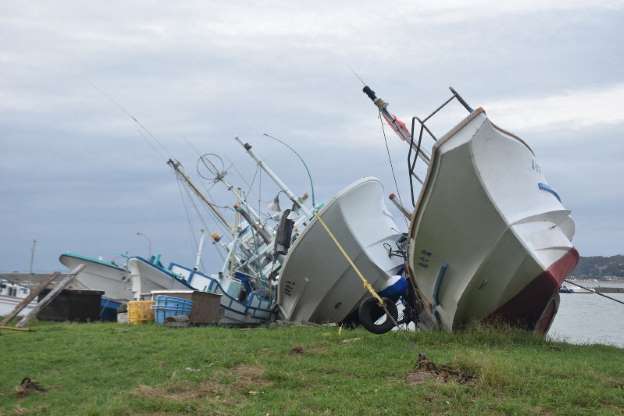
146	277
113	281
316	282
489	240
8	304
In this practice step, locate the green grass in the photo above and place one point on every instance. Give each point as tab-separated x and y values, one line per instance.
112	369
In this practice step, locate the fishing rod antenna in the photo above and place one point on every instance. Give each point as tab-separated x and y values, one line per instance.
305	165
356	75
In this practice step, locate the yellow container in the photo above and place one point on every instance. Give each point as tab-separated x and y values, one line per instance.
140	311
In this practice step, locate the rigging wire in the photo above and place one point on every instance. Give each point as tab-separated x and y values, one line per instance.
198	212
163	150
215	217
396	184
253	180
595	292
189	221
238	172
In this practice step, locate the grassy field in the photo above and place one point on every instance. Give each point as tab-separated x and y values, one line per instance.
112	369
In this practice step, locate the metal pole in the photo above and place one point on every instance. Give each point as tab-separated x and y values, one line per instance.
200	248
32	255
399	206
176	166
273	176
264	234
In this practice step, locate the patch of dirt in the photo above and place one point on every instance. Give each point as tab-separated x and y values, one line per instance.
418	377
296	350
248	379
181	392
22	411
316	349
319	349
427	369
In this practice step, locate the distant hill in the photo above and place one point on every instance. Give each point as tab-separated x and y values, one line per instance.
599	267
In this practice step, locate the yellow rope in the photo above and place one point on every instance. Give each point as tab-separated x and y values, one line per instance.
365	282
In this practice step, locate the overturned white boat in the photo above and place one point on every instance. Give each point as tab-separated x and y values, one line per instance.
316	282
148	275
489	238
98	274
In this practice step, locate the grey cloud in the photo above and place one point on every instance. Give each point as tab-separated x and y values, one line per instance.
76	174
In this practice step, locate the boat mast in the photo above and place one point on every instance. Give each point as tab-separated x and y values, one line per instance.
394	122
175	165
274	177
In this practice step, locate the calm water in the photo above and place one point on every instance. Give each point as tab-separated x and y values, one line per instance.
589	318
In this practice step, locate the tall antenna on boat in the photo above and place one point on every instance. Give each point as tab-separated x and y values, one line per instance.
274	177
305	165
356	75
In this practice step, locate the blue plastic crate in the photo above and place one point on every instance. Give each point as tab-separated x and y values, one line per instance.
166	306
108	309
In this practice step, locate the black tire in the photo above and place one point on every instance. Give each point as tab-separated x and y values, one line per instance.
369	312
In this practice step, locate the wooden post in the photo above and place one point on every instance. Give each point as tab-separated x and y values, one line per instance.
50	296
26	301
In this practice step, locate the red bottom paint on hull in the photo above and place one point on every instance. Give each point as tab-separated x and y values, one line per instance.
535	307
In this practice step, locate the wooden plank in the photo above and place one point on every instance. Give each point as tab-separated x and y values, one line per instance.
50	296
26	301
10	328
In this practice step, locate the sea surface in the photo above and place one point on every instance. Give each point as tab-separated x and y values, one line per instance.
589	318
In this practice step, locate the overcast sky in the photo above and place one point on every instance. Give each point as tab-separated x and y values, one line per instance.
77	174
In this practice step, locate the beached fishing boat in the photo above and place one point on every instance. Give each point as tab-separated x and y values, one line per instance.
147	275
242	301
489	238
98	274
316	282
10	295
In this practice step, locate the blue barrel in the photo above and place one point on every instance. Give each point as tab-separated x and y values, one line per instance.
166	306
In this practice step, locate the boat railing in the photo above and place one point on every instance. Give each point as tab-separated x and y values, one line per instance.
415	147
